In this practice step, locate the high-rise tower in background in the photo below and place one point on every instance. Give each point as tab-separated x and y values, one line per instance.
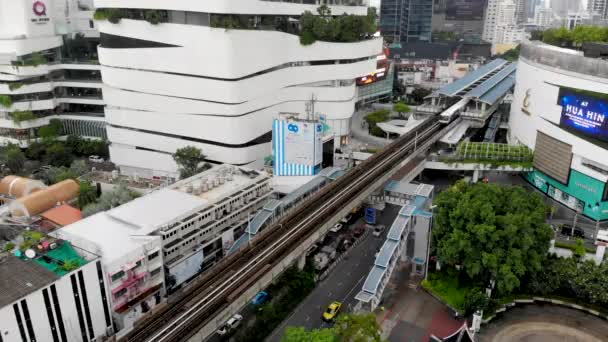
214	74
561	8
599	7
403	21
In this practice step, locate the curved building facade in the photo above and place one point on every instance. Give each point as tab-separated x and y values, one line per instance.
186	81
49	70
560	110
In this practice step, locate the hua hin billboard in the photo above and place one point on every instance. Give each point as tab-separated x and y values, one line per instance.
584	112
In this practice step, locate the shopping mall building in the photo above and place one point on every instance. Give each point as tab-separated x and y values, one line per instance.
560	110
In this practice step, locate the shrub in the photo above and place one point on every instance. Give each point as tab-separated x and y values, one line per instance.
307	38
70	265
15	85
378	116
6	101
9	246
19	117
100	14
152	16
378	132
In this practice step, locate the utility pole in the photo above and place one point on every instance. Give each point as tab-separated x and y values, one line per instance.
310	108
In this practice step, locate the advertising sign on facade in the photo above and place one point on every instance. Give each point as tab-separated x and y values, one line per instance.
584	112
465	9
298	147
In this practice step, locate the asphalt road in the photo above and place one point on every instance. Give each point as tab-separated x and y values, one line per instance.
343	284
539	323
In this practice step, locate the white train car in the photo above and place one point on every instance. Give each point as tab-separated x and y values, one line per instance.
453	112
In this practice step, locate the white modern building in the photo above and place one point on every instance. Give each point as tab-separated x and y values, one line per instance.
48	69
157	242
41	301
174	76
543	16
131	262
559	111
599	7
500	23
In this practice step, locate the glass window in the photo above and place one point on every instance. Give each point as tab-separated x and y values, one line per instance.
117	275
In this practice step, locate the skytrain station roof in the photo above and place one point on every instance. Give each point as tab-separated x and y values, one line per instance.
488	84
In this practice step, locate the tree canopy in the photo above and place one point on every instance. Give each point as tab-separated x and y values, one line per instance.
348	327
575	37
493	232
13	157
189	160
401	108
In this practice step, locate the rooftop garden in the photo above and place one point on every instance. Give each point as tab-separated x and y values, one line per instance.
57	256
322	26
575	38
491	153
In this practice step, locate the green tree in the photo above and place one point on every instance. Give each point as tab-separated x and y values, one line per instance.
14	158
418	94
300	334
358	328
87	194
493	232
401	108
50	131
59	155
348	327
110	199
579	250
190	161
324	11
36	151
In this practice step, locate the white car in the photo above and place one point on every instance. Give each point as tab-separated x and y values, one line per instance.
336	228
232	324
378	230
96	159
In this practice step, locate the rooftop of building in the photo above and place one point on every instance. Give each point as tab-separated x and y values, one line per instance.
218	182
104	235
62	215
22	277
128	227
35	263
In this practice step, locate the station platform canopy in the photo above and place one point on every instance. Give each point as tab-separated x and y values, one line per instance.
454	88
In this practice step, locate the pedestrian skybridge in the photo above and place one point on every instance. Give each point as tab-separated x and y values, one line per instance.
413	217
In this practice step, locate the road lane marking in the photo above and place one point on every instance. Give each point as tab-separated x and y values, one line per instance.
351	290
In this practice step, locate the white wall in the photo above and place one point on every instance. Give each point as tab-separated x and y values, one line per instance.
543	82
227	6
39	316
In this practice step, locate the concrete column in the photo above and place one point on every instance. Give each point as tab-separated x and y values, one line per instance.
599	254
302	261
475	176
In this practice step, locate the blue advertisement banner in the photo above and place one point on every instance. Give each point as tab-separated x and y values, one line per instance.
585	113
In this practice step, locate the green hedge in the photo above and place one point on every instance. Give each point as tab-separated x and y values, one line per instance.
6	101
19	117
15	85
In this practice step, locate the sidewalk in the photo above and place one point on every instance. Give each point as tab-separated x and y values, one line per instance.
410	314
359	133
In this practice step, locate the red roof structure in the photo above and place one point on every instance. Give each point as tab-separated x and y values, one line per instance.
62	215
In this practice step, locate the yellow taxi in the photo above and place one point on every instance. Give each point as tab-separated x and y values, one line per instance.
332	311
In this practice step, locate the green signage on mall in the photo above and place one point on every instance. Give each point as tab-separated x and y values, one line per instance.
583	193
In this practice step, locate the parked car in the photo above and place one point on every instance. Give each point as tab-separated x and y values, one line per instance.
332	311
260	298
312	249
96	159
578	232
232	324
378	230
336	228
357	232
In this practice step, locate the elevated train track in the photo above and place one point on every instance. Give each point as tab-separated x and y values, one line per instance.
229	278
